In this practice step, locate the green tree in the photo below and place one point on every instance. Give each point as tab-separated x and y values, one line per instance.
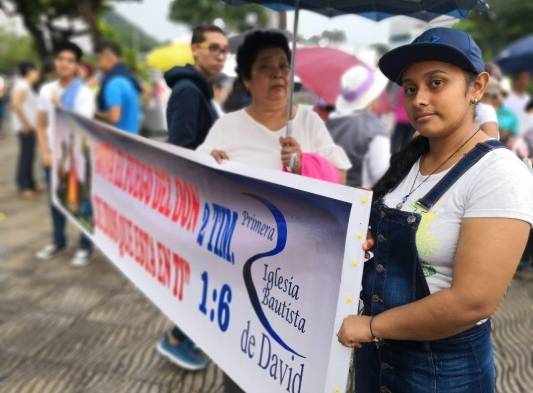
238	18
114	26
43	20
15	49
507	21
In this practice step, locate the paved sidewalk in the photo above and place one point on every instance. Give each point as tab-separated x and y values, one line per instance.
74	330
87	330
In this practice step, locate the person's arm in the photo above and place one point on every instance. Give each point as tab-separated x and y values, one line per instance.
494	231
480	260
182	117
112	116
344	176
16	106
491	258
42	140
113	99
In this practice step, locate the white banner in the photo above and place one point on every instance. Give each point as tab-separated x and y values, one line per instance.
257	267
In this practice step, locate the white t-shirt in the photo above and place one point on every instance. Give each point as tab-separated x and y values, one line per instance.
376	161
247	141
485	113
84	103
527	123
28	105
499	185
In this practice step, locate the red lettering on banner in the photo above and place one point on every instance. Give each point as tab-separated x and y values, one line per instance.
161	201
169	269
169	195
181	277
147	184
186	205
164	256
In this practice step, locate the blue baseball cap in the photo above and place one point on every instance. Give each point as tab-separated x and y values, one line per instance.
439	44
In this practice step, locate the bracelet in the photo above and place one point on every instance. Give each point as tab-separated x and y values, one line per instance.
374	337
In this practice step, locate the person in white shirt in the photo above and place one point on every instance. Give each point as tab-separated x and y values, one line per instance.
518	97
255	135
449	222
23	121
70	93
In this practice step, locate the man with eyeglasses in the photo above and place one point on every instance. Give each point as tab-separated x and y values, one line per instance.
190	115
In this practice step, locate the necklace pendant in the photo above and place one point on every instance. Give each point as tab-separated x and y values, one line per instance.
400	205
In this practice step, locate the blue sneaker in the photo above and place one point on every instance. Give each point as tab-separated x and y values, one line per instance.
184	354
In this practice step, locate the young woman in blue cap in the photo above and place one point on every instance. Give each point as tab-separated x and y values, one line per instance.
449	222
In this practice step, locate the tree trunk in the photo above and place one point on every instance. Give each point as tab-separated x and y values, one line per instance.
39	40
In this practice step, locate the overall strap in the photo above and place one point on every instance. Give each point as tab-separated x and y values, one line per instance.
467	162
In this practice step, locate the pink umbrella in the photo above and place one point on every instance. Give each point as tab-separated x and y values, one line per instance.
320	70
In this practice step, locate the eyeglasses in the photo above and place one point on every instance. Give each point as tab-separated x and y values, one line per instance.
215	49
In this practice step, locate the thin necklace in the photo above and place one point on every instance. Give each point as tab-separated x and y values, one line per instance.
413	188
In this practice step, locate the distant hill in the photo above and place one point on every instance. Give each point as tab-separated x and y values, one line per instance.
129	34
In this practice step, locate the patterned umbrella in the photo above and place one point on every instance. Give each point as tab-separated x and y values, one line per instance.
376	9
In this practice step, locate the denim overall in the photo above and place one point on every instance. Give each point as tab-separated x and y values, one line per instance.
393	277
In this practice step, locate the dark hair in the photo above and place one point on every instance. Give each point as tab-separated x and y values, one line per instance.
254	43
69	47
25	67
108	45
400	165
402	162
198	33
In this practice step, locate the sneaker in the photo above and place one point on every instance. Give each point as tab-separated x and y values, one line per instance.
184	354
81	258
49	251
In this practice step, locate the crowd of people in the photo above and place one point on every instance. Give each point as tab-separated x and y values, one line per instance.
447	193
69	84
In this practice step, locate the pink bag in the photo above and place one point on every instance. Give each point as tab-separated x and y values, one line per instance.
318	167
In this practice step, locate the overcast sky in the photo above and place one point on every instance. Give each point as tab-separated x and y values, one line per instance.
152	16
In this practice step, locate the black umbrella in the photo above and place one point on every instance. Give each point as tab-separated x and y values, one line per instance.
517	57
